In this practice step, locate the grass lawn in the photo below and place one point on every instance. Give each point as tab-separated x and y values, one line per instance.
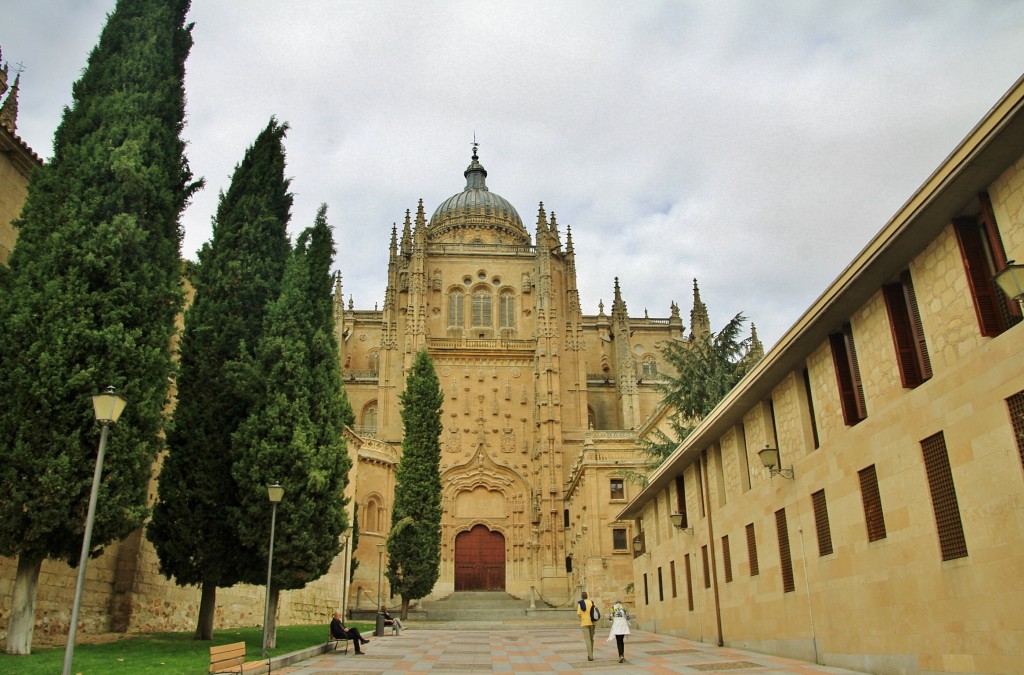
167	653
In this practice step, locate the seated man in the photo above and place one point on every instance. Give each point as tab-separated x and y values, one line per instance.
340	632
394	622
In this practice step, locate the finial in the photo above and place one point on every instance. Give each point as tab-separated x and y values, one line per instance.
475	146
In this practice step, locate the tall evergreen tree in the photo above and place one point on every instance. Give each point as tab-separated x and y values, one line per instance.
414	543
238	275
707	367
90	300
294	433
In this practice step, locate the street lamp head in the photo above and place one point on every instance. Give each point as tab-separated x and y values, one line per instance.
275	492
769	457
108	406
380	548
1011	280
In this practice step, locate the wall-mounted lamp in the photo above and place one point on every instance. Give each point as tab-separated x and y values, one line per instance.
1011	280
770	458
638	547
677	522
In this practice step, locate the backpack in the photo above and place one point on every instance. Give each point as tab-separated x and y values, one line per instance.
595	613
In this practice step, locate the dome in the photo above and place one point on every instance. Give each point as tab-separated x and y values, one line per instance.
477	214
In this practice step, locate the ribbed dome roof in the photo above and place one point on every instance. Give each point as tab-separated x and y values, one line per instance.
477	208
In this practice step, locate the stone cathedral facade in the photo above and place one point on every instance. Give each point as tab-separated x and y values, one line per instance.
541	400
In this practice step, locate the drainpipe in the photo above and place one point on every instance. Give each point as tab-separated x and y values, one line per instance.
711	543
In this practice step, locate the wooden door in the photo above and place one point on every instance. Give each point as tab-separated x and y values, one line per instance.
479	560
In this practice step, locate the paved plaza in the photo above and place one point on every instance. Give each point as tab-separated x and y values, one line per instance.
542	650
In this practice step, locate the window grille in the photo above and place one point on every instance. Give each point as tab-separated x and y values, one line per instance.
707	568
672	575
944	502
727	559
786	562
689	581
661	587
821	523
873	514
752	550
1016	405
647	600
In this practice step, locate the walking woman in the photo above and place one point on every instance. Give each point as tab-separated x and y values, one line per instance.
620	628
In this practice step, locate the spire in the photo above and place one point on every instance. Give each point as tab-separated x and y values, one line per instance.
421	216
618	306
568	240
756	350
542	220
394	240
700	324
9	109
554	228
407	234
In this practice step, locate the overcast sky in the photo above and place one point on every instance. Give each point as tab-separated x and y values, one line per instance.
754	146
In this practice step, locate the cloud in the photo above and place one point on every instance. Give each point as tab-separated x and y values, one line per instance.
756	148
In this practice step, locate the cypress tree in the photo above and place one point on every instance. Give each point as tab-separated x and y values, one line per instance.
414	543
90	300
293	435
239	274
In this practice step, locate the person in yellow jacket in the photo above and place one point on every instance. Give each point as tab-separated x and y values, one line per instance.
586	623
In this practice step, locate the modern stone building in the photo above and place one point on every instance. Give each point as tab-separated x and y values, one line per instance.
889	535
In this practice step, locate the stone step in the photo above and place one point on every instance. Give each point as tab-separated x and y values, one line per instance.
476	606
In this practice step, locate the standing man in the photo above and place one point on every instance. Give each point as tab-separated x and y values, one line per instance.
586	623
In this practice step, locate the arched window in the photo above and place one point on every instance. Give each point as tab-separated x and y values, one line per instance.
591	418
456	310
372	514
370	416
507	310
481	308
649	368
374	361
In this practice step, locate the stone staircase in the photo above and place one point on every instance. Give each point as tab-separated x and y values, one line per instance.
487	608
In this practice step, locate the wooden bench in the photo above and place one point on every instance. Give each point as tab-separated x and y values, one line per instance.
332	642
231	659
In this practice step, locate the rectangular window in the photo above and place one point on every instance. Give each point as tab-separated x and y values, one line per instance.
699	474
810	409
507	310
907	333
661	588
1016	406
785	560
982	252
851	389
618	489
681	500
727	559
707	567
481	309
944	502
619	539
672	575
565	518
872	499
647	599
821	523
752	550
689	581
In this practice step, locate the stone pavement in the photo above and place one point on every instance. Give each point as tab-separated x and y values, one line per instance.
547	649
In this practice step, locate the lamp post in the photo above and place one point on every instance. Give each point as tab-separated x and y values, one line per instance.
378	631
344	573
275	493
107	407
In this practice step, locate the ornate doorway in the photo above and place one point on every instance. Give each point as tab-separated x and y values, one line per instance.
479	560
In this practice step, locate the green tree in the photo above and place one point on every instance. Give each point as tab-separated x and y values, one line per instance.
707	367
355	545
90	300
238	275
414	543
294	433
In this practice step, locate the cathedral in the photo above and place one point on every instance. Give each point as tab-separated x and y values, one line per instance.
541	401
